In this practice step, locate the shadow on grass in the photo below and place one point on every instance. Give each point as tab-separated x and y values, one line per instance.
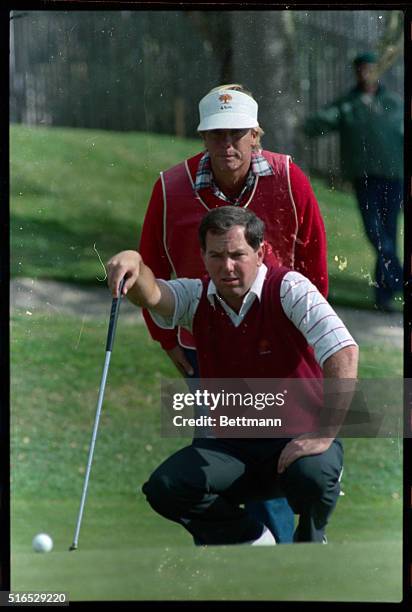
51	249
22	185
351	291
355	293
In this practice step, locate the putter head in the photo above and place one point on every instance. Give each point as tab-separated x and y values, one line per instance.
73	547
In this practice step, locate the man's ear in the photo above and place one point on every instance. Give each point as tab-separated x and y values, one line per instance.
261	253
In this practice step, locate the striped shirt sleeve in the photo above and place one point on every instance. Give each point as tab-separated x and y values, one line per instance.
187	293
313	316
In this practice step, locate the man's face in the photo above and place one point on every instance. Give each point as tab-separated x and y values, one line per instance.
366	74
232	264
230	150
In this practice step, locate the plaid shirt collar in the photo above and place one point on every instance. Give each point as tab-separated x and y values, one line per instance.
204	176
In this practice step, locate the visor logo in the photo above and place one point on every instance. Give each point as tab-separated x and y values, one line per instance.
225	98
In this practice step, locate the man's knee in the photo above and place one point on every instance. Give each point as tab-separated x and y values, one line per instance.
173	490
315	477
160	491
306	478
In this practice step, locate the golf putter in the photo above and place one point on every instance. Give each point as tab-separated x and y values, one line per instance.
114	313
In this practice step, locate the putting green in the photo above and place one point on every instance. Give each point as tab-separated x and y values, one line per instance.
128	552
304	572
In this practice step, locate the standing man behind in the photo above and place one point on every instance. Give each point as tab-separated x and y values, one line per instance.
232	170
369	120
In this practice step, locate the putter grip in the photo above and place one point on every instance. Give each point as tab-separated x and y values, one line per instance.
114	313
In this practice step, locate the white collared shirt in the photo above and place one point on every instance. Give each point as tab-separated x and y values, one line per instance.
301	301
254	292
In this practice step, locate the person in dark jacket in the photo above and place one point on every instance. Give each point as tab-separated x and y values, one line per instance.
369	120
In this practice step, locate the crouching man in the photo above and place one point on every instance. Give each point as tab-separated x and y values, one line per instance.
241	304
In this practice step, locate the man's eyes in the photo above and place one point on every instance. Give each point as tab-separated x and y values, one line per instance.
232	133
231	256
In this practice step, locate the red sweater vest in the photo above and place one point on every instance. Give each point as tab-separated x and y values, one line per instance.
184	209
265	345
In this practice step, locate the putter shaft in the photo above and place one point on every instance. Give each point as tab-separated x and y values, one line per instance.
114	313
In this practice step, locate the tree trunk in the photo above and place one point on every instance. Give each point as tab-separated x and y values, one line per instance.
263	63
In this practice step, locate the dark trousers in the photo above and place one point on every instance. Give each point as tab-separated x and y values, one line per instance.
275	513
380	201
202	487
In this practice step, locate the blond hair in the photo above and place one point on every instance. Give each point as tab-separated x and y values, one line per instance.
239	87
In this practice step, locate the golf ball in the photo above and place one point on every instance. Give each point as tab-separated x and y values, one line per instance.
42	543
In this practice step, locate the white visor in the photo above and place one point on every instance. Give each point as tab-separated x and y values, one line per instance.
227	109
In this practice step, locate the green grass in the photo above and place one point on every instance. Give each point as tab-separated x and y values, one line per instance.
74	190
57	364
378	362
79	194
126	551
349	572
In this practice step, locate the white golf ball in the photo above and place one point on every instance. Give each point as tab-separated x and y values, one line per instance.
42	543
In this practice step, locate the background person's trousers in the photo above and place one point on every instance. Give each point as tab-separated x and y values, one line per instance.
202	486
380	202
275	513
